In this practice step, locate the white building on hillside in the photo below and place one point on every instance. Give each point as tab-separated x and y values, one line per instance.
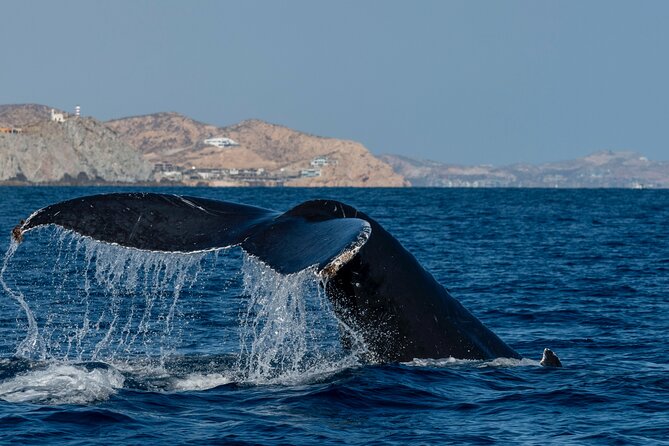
310	173
220	142
57	117
320	161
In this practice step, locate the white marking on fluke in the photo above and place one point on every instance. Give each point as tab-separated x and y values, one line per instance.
348	253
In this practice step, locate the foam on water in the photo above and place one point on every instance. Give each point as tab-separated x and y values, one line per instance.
453	362
62	383
200	381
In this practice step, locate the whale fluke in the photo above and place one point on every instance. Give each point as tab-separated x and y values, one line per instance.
171	223
375	285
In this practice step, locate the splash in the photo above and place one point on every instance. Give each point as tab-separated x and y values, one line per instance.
143	289
105	302
121	307
62	383
288	330
32	340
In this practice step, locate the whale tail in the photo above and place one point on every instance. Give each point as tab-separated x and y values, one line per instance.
288	242
375	285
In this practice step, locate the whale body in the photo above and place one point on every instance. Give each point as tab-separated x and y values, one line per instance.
375	285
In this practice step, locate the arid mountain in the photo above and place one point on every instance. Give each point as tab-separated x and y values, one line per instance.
601	169
283	155
35	149
161	133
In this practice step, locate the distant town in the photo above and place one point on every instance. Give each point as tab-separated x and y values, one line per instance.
170	172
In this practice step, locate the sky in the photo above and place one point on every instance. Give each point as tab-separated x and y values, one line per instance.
465	82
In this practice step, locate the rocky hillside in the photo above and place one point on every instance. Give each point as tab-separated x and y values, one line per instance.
77	150
601	169
281	153
161	133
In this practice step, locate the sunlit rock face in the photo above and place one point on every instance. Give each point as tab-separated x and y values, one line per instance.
78	150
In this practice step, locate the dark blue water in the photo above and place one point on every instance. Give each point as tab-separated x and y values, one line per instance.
215	349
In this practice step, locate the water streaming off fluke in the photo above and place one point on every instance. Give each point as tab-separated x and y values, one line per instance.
106	302
133	310
288	328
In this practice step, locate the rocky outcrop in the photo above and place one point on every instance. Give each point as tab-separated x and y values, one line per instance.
78	150
83	150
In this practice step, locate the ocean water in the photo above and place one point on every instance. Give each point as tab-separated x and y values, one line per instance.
102	345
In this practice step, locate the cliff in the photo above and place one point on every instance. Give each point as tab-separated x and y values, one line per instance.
78	150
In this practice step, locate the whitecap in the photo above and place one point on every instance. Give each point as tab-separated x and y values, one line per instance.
452	362
60	383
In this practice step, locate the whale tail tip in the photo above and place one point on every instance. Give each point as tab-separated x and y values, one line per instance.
17	232
550	359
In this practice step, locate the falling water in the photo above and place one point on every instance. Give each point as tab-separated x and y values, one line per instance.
106	302
288	329
117	305
31	341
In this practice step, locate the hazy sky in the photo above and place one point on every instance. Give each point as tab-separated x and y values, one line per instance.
457	81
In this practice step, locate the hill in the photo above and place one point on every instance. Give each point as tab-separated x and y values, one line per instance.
600	169
160	133
262	153
21	115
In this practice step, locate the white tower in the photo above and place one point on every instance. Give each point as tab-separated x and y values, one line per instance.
77	111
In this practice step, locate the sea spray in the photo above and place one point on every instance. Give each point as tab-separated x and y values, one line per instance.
32	340
62	383
143	289
107	302
288	329
122	306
